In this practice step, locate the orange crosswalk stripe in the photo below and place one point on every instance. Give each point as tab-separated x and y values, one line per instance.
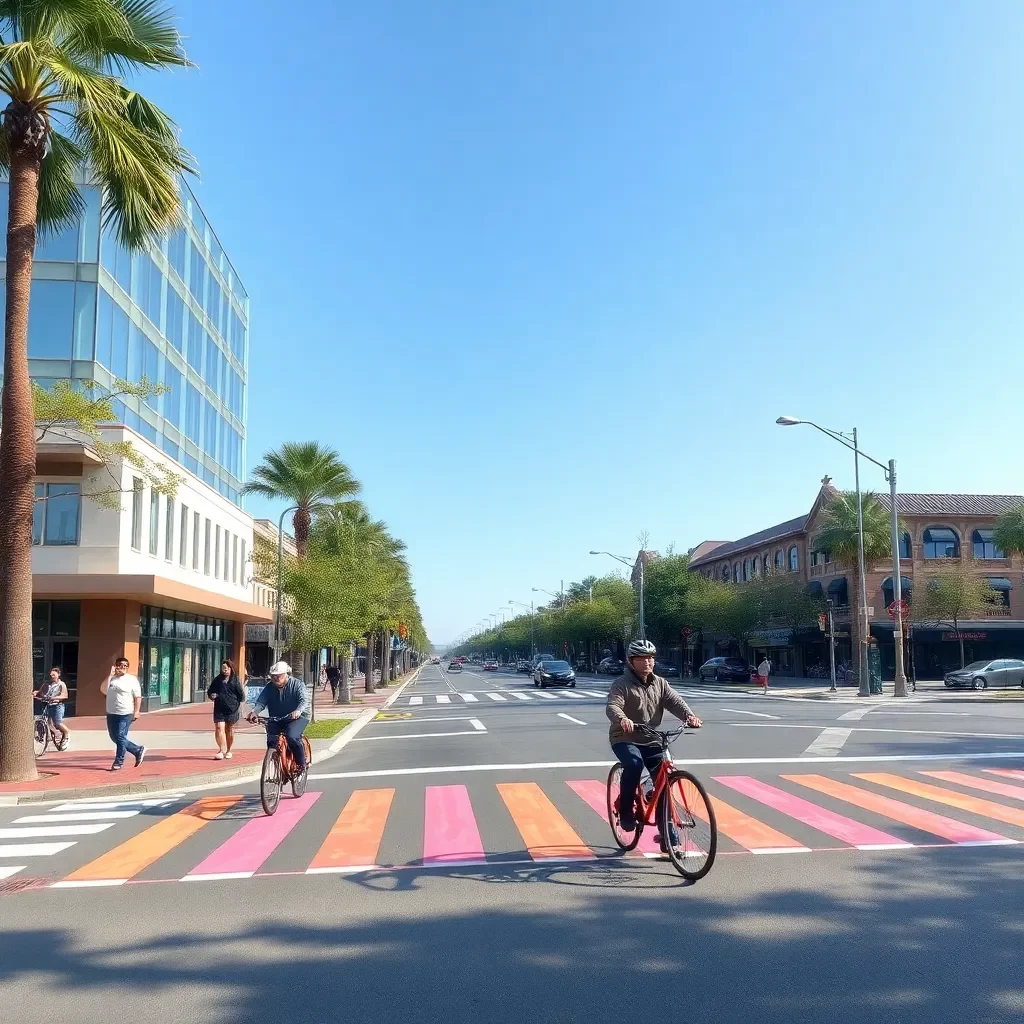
136	854
355	838
546	833
985	785
750	833
973	804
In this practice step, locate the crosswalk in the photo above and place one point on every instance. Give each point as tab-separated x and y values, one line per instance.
347	831
500	696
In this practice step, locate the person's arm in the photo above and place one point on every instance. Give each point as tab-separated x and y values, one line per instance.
303	699
137	694
239	689
261	700
615	709
63	695
671	701
105	685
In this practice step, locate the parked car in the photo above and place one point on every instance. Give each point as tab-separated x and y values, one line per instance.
490	665
610	667
666	671
523	665
980	675
725	670
553	673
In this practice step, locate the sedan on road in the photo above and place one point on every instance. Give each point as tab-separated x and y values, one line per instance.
666	671
455	666
523	665
611	667
980	675
490	665
725	670
553	673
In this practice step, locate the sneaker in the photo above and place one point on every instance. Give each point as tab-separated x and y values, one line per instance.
116	767
627	822
219	756
140	756
229	755
63	744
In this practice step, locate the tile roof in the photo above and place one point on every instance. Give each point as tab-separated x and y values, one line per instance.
953	504
754	540
704	548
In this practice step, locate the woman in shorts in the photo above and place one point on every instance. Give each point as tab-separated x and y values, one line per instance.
53	694
228	696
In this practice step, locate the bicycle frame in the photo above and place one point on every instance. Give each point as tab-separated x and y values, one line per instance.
287	760
649	808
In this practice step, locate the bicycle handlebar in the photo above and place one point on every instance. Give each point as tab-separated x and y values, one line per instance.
269	718
666	736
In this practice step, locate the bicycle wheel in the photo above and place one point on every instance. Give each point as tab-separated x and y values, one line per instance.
625	840
270	781
299	782
40	737
687	812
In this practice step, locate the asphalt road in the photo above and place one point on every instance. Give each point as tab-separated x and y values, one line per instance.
452	864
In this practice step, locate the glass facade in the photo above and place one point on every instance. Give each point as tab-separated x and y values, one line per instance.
55	629
176	313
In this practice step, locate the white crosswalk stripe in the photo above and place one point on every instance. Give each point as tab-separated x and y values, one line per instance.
592	693
415	700
443	698
49	831
20	850
6	870
44	819
520	696
114	805
469	698
545	695
497	696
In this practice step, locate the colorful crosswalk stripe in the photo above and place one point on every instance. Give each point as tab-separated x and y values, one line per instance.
595	795
897	810
450	833
971	804
1007	773
247	850
546	833
857	834
751	834
136	854
985	785
354	840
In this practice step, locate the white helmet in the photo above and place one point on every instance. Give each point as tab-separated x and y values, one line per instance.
642	649
280	668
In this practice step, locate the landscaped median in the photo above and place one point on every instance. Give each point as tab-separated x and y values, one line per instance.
326	728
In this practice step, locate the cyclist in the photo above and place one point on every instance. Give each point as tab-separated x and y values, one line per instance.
284	697
639	697
53	694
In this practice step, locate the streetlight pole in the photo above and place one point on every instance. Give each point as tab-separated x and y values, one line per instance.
864	689
626	561
533	645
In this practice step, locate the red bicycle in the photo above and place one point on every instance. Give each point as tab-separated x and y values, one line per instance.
683	810
279	767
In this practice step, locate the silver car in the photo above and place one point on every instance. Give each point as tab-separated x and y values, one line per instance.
980	675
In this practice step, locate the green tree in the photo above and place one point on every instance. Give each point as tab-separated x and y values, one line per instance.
63	68
667	581
951	595
309	476
1009	532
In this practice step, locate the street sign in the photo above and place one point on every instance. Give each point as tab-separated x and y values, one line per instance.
822	622
900	609
686	631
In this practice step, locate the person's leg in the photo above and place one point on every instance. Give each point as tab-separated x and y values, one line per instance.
218	735
117	735
632	768
653	757
229	736
132	748
293	734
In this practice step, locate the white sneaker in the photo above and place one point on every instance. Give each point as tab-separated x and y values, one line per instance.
229	755
219	756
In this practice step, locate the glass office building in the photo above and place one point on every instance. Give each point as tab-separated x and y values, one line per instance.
176	313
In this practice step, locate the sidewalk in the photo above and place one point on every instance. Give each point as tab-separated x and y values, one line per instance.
179	746
817	689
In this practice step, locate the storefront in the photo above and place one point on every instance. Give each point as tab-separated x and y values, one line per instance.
935	650
775	644
55	629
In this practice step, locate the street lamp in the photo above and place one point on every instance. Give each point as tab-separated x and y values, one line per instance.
533	646
631	564
900	687
541	590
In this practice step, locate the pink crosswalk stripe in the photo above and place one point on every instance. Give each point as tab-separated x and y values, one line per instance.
247	850
450	833
594	793
857	834
1007	773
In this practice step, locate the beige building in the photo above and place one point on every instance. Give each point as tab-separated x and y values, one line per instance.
259	637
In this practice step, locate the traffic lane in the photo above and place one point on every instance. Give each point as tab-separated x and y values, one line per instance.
919	937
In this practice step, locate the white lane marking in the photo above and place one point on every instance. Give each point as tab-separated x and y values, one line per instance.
49	831
416	736
546	695
92	883
349	870
885	846
477	724
33	849
540	765
756	714
469	698
218	876
569	718
856	714
918	714
41	819
6	870
443	698
829	742
415	700
520	696
496	696
418	721
110	805
783	849
592	693
898	732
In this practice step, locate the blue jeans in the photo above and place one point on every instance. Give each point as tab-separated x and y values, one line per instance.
293	731
634	758
117	730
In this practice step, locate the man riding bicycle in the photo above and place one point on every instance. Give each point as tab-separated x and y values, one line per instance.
639	697
284	697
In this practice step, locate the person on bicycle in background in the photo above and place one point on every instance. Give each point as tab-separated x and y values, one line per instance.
53	694
639	697
284	697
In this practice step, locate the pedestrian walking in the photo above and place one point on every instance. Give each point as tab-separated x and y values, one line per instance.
124	702
228	696
334	678
53	694
763	671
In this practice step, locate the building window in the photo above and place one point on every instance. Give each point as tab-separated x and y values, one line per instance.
941	542
227	555
56	514
889	592
1002	587
780	559
216	555
906	550
985	545
243	563
154	522
183	540
839	592
136	514
234	560
206	550
195	541
767	565
169	530
735	572
746	569
794	559
755	567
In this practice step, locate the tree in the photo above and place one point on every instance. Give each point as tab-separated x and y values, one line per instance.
1009	532
63	66
308	475
952	595
667	581
838	534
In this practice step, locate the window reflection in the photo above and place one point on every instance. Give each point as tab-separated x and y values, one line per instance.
985	545
941	542
51	323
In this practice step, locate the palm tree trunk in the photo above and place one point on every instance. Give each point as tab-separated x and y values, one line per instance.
17	475
368	681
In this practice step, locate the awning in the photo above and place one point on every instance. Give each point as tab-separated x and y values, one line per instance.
838	584
814	589
999	583
906	583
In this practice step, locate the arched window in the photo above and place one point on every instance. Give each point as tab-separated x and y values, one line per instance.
746	568
941	542
767	565
1002	587
780	559
755	567
735	572
725	572
985	545
889	591
906	551
794	559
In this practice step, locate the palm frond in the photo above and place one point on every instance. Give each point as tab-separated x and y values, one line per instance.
150	40
60	202
67	19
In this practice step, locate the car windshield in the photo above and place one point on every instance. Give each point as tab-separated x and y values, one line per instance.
734	661
556	666
976	666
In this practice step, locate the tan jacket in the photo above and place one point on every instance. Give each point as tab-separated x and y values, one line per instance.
641	700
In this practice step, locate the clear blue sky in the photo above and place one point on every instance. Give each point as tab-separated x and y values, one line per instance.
545	271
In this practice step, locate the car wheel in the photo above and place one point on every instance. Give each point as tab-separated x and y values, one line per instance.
573	684
979	684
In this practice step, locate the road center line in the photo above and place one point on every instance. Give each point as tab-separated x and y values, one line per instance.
569	718
416	736
898	732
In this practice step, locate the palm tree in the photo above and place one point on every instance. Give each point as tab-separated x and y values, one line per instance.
308	475
838	534
1009	532
63	65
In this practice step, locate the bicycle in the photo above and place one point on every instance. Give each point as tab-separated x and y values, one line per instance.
686	807
44	732
279	767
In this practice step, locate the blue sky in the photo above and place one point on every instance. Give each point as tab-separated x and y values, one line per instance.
544	272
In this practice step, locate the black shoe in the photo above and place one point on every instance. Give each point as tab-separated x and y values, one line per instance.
627	822
140	756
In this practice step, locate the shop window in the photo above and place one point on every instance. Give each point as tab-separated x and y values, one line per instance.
941	542
985	545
